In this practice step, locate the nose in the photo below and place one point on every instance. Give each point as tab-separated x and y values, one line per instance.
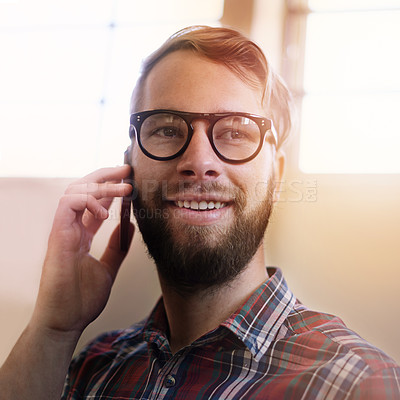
199	160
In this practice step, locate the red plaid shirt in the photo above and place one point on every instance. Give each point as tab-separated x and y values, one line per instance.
271	348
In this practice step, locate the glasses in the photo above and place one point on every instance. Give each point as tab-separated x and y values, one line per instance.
235	137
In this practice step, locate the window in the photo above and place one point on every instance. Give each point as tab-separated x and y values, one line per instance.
349	81
67	71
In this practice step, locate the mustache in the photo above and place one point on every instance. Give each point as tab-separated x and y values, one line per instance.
200	188
154	194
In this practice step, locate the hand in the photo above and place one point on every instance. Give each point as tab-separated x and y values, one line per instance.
75	286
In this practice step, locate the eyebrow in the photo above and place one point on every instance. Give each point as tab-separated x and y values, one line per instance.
216	111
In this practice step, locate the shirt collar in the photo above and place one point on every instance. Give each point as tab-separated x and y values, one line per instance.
259	319
152	329
256	323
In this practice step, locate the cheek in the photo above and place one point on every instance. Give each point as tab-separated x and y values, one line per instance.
135	155
143	172
150	176
259	181
143	166
262	190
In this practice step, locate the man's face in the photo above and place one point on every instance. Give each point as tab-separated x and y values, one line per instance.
202	219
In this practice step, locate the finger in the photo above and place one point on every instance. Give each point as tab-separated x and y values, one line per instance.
115	174
100	190
106	202
91	223
72	204
113	255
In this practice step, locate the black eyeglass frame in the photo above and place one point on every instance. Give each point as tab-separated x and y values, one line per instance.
265	125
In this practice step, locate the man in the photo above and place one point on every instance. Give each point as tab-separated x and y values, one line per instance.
202	126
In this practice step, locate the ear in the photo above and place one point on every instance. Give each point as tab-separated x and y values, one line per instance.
279	167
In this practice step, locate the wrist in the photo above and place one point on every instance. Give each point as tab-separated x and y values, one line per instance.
54	336
37	365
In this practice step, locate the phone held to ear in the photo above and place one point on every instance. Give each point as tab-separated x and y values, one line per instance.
126	204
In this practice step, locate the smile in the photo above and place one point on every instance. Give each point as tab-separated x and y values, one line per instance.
200	205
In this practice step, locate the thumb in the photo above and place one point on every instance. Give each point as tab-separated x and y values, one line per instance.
113	256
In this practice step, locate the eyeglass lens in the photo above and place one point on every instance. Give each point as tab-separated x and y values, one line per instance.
235	137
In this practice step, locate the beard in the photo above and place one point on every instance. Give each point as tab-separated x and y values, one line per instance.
207	257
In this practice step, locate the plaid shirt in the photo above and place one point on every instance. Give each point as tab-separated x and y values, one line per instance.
271	348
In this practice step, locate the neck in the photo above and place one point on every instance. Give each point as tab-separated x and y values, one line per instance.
191	315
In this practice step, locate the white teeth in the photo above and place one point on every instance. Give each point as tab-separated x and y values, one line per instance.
202	205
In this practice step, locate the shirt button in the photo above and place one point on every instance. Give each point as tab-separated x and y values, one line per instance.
169	381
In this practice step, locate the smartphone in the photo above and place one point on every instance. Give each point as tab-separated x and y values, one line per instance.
126	205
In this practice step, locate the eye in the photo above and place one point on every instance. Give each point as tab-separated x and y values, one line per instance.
236	130
232	134
169	132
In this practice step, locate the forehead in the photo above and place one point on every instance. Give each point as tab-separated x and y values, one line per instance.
186	81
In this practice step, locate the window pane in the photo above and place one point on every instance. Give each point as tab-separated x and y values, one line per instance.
352	93
41	139
44	65
169	11
49	13
350	134
352	51
337	5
